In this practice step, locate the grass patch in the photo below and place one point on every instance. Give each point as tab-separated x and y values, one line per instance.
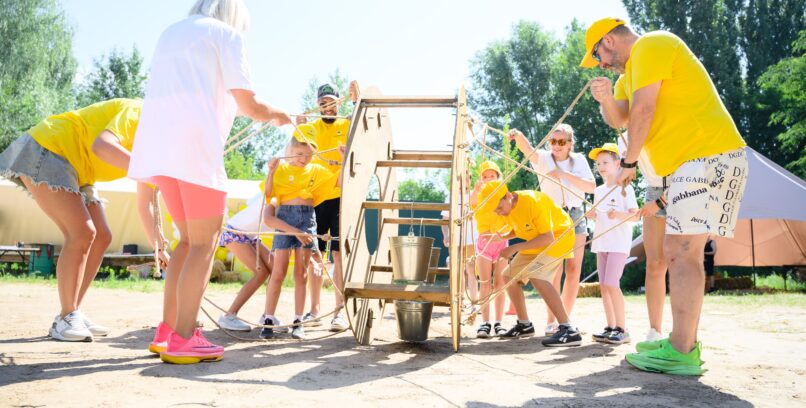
776	281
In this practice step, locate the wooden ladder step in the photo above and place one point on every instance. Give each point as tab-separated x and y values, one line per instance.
416	221
397	205
440	295
431	164
388	268
421	155
409	102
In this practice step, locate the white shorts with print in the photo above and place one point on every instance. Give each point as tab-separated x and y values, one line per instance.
704	195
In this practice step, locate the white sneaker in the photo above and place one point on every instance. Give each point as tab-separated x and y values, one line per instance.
94	328
279	323
70	328
339	324
653	335
231	322
551	329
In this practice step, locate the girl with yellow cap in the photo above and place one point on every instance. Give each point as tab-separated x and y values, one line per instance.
298	185
491	228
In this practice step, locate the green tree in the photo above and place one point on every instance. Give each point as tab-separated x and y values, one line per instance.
422	190
248	160
786	82
114	76
336	78
36	65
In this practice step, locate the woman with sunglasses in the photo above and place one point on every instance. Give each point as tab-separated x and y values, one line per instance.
571	177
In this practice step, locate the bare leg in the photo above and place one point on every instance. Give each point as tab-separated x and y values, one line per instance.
338	277
103	237
301	257
552	298
195	274
315	288
68	212
485	275
617	302
246	254
515	293
279	271
686	287
607	302
471	282
499	281
573	268
655	282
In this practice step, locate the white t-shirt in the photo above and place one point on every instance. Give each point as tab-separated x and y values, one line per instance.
620	238
562	197
249	218
188	108
652	178
471	235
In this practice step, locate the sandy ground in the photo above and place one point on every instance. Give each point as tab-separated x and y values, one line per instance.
755	353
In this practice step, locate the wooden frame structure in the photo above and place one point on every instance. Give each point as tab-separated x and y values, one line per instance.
371	155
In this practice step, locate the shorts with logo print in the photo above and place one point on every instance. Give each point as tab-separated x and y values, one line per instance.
704	195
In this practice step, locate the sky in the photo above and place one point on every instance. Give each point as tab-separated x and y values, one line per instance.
410	47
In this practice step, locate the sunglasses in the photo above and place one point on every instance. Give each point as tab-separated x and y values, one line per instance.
595	52
559	142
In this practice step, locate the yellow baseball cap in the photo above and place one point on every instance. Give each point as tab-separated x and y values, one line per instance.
489	165
595	32
607	147
306	133
491	189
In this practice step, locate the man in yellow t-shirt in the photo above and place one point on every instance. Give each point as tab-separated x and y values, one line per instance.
667	101
331	132
548	235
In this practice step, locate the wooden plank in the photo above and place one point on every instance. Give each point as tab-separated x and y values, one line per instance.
397	205
421	155
381	101
416	221
431	164
422	292
388	268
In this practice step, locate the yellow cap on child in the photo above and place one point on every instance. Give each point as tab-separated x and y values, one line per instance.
306	133
489	165
607	147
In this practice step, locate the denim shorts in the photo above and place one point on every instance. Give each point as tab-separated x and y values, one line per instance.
576	213
301	217
26	157
650	195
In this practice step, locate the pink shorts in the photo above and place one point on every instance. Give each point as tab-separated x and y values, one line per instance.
188	201
490	251
610	266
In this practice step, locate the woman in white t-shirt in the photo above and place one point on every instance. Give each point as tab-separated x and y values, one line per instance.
654	229
199	80
569	179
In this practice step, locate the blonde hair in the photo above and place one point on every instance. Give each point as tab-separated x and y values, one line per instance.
567	129
232	12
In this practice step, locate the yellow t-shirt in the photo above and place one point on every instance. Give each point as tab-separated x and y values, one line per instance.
71	134
690	119
309	182
487	221
330	136
536	214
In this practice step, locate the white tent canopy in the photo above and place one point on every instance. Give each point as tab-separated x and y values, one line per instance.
772	220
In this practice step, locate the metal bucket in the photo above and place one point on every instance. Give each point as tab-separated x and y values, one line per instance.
413	319
410	257
433	265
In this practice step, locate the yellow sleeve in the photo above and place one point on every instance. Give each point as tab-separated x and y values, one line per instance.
124	124
652	60
619	93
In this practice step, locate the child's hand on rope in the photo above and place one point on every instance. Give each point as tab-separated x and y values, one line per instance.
301	120
342	150
612	214
164	258
272	165
591	215
304	239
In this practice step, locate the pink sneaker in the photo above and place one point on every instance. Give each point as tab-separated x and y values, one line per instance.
160	341
191	351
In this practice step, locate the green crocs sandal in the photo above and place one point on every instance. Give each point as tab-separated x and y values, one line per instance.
667	360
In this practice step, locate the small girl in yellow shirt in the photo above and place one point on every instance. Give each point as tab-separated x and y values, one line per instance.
298	185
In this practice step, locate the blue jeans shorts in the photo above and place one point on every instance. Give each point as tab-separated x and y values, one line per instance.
301	217
576	213
26	157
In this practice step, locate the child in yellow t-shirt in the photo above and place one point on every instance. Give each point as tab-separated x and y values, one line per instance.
491	228
298	185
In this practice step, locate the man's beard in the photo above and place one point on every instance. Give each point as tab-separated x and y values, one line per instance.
329	121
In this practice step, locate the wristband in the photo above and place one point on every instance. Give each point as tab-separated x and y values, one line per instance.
660	204
626	165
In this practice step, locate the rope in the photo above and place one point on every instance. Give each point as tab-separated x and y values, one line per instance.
325	237
525	270
227	332
539	145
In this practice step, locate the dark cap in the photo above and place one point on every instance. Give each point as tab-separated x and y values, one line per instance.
327	91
